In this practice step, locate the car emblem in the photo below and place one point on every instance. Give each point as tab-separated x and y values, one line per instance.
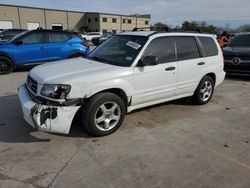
236	61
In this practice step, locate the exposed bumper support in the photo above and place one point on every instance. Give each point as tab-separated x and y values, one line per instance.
57	119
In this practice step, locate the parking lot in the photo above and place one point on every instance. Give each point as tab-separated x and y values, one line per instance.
171	145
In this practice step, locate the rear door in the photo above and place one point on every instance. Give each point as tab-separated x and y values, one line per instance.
58	48
158	82
32	49
191	64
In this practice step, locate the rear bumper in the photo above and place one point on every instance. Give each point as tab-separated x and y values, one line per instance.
220	78
57	119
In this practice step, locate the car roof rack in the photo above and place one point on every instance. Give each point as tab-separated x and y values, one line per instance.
166	29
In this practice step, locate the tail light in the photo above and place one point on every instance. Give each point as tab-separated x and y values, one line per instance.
223	62
85	43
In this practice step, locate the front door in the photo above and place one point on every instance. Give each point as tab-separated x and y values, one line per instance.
32	48
157	82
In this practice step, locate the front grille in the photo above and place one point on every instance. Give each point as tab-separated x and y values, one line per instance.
32	85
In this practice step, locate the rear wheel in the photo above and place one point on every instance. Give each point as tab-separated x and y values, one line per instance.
6	65
204	91
103	114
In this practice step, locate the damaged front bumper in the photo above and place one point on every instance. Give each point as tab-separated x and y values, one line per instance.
49	118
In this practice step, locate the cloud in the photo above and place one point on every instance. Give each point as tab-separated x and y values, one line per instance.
168	11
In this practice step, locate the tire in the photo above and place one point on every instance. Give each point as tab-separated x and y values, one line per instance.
6	65
204	91
98	117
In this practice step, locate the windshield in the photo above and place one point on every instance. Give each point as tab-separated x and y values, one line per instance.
17	36
119	50
241	40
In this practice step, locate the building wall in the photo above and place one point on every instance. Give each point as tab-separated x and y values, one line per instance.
9	14
76	21
21	16
56	17
28	15
92	25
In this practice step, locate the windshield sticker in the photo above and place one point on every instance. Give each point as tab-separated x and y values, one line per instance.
129	58
133	45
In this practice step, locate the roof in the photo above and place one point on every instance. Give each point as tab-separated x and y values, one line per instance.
138	33
150	33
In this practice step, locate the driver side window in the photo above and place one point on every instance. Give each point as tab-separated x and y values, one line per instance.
163	48
34	38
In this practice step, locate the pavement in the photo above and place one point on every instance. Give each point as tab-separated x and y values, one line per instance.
175	145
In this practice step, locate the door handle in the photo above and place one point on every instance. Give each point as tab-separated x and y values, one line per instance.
169	68
201	63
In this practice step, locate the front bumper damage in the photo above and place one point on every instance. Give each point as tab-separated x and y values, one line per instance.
48	118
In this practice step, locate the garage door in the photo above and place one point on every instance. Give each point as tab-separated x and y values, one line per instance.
6	24
57	26
33	25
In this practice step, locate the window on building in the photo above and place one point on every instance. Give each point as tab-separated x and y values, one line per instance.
129	21
104	20
123	20
104	31
89	20
209	46
146	22
96	19
186	48
163	48
97	30
113	31
114	20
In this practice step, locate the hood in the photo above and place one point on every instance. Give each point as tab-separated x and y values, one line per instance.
66	71
236	50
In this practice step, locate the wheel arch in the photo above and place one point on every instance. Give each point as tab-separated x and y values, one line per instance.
117	91
212	75
9	57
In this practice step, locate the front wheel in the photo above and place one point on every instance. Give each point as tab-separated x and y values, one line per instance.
6	65
103	114
204	91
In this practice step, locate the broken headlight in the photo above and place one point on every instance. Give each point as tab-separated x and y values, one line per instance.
55	91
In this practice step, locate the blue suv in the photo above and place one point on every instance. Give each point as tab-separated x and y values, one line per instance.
37	46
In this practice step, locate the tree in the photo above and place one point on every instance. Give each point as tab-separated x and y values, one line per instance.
161	27
199	26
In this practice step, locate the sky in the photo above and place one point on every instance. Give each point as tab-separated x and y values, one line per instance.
173	12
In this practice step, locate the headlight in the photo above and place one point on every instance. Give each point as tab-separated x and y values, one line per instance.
55	91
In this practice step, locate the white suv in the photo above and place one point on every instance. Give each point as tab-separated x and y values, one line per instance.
129	71
91	35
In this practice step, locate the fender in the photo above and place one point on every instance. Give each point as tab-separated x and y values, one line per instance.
101	86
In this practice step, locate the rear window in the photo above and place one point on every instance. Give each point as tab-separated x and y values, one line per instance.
241	40
186	48
58	37
209	46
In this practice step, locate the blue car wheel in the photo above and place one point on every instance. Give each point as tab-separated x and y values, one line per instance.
6	65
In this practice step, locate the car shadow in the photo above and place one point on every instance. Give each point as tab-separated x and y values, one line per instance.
238	77
13	129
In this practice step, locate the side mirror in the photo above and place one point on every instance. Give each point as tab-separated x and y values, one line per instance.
148	61
18	42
